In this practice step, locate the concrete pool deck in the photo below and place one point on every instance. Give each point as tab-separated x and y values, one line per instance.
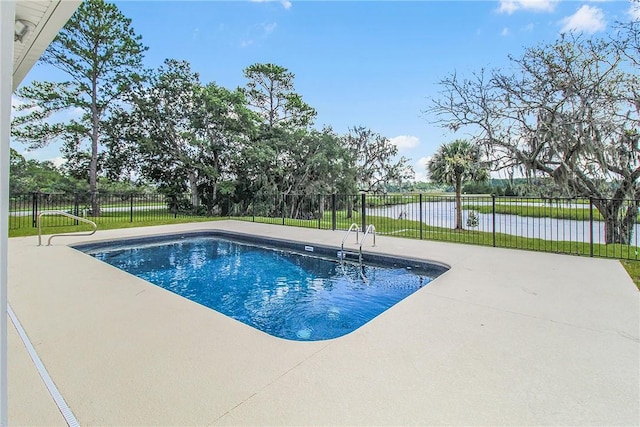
506	337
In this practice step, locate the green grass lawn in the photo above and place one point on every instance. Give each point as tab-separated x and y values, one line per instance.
104	223
633	269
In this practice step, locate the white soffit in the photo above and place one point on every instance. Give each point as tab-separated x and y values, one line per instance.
47	17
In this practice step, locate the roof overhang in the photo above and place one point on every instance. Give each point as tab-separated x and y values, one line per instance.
42	20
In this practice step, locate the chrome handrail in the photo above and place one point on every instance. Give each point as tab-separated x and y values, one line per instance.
370	229
68	215
351	228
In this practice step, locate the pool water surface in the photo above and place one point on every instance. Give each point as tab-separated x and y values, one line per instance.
290	295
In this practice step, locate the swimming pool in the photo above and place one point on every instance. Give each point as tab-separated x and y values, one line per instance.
286	289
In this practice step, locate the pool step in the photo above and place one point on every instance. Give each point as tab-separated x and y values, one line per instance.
349	255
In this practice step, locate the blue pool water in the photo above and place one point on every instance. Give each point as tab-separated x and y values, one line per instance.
289	295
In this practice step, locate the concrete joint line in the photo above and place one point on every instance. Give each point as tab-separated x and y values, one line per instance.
312	355
53	390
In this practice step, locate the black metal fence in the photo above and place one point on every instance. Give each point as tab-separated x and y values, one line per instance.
142	207
573	226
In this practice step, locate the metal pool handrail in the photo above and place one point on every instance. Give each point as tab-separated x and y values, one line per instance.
68	215
351	228
370	229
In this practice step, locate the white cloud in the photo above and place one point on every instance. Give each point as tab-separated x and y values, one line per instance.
48	154
588	19
285	3
58	161
269	28
257	33
73	113
16	103
634	11
405	141
76	113
504	32
510	6
420	168
528	27
507	7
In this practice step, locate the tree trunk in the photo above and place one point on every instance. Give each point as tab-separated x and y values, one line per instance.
293	211
214	198
349	207
214	195
93	179
93	164
629	220
618	221
458	203
193	187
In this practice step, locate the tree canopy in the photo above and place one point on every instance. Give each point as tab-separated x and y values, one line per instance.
270	92
204	140
374	158
456	163
568	110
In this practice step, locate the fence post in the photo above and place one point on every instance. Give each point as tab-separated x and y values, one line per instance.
420	212
284	206
363	200
34	209
76	207
591	226
131	207
493	218
320	210
334	213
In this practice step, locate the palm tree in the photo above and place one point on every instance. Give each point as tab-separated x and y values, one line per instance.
455	163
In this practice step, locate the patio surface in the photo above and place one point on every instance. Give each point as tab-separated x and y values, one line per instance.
506	337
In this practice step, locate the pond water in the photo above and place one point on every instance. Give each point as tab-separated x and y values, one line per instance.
442	214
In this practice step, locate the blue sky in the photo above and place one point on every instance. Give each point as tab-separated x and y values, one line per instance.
358	63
